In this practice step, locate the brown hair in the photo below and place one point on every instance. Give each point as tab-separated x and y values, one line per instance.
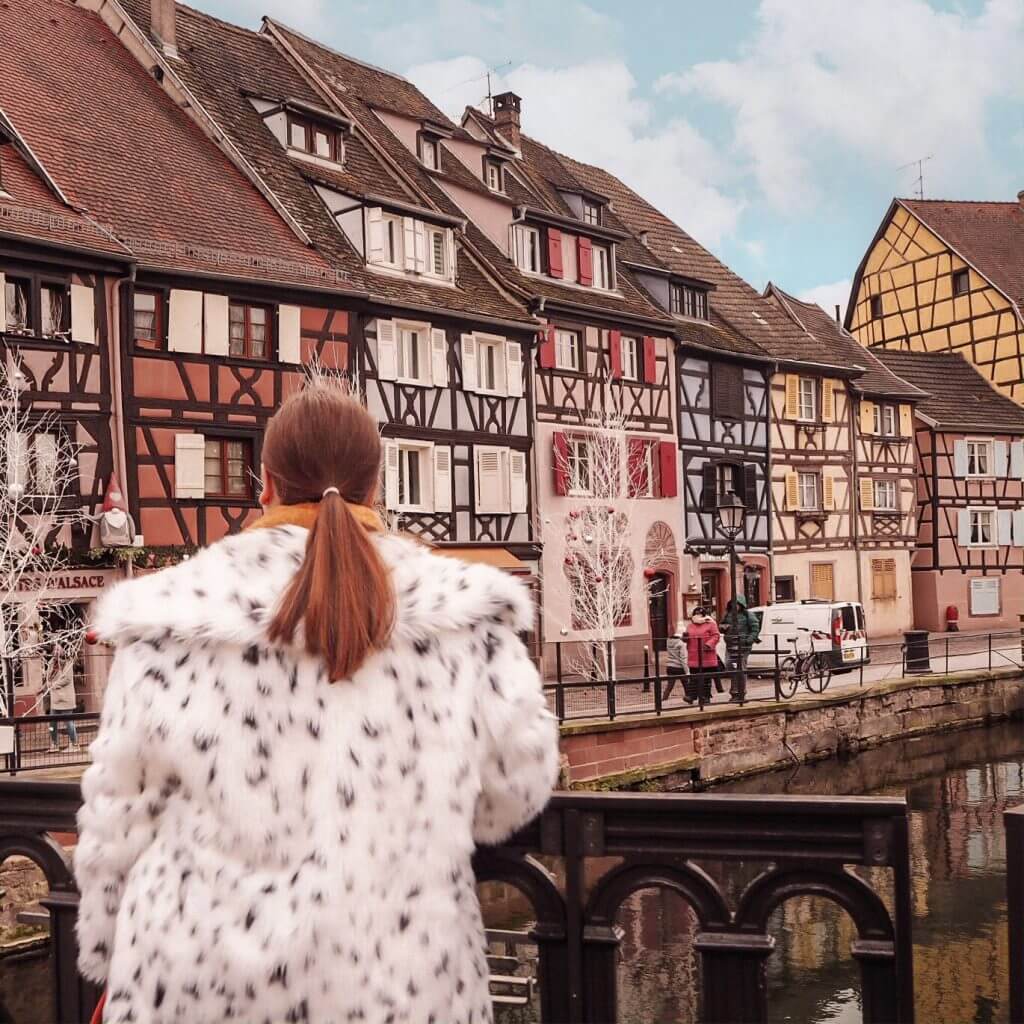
342	595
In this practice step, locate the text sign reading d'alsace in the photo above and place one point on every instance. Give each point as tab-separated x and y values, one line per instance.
57	582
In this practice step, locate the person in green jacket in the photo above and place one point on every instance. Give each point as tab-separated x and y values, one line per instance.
739	640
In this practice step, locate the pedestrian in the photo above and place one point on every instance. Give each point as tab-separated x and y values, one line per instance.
60	680
739	641
675	661
307	728
702	657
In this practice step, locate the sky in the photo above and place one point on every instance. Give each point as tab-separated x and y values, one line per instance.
775	132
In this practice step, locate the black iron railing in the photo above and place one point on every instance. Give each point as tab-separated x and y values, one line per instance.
586	854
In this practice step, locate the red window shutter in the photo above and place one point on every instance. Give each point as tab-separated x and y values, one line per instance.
635	466
615	353
547	348
667	467
585	260
560	461
650	366
554	252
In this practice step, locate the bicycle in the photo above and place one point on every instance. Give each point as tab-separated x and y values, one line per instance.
808	666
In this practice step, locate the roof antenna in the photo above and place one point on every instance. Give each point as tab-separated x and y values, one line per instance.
919	164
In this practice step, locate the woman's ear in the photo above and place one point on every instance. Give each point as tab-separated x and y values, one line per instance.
268	491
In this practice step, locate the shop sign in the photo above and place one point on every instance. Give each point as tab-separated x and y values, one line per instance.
72	580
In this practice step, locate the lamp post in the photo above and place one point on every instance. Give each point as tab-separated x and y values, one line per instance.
729	518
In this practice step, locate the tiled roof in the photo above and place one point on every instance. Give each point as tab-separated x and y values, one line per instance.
988	235
127	155
877	378
959	397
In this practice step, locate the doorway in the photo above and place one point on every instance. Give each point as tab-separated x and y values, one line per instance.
752	586
658	610
709	590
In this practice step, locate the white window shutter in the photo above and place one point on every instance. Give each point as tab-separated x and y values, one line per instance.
289	334
387	349
517	481
375	235
215	324
390	474
1000	457
1004	526
409	243
17	460
83	314
1018	528
420	246
439	357
513	369
185	321
44	450
1017	460
3	301
960	458
490	497
449	254
189	466
470	380
963	527
442	478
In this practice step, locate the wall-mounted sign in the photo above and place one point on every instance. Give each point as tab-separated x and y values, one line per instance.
68	583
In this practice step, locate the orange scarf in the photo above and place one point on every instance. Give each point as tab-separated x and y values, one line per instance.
304	515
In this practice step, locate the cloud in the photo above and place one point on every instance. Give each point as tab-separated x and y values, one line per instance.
828	296
308	15
867	87
594	112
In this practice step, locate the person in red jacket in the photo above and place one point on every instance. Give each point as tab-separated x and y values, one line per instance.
701	655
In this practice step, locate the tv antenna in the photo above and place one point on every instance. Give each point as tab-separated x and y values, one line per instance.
919	164
489	99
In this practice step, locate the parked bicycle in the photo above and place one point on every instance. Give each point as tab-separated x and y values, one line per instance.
805	665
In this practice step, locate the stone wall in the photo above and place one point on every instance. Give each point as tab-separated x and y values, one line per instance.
681	749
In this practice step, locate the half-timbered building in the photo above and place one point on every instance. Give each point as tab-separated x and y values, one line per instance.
943	276
968	563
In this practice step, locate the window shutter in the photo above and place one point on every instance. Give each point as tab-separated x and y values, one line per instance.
709	487
439	358
554	252
547	348
650	361
375	230
289	334
615	354
513	369
215	324
3	301
867	493
667	468
185	321
1017	460
390	474
408	243
17	459
750	485
517	481
189	466
963	527
560	462
450	255
634	466
83	314
44	452
490	489
584	260
792	491
828	493
420	247
1004	526
867	417
822	581
792	396
442	478
1000	457
906	420
960	458
470	378
387	350
828	400
1018	528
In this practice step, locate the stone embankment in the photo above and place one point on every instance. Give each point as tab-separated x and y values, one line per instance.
692	748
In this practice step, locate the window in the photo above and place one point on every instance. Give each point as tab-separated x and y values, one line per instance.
490	356
885	496
429	156
630	358
885	420
567	350
18	292
412	355
640	464
147	318
228	468
961	282
686	301
822	581
591	213
526	242
979	458
391	237
315	137
727	391
248	331
809	490
54	310
982	527
602	267
493	176
807	400
785	588
675	298
728	479
876	307
985	597
578	456
410	477
437	252
32	463
883	579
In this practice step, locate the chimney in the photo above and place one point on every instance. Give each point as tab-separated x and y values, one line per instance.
1020	199
163	24
506	116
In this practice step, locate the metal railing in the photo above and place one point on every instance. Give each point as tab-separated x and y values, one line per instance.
48	741
643	676
599	849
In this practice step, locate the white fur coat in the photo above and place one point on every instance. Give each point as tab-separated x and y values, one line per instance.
257	844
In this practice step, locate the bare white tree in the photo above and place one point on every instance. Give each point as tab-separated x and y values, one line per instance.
39	508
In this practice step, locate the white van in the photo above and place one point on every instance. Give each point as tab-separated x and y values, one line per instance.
835	627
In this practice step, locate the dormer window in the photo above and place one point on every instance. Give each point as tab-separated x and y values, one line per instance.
687	301
315	137
602	267
404	243
430	157
526	243
591	213
493	176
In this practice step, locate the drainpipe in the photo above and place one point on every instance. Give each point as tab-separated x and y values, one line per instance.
853	493
117	384
770	503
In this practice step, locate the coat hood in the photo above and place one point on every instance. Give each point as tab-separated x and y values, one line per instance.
228	592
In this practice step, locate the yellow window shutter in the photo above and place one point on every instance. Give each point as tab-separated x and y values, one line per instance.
822	581
792	396
828	400
828	493
792	491
906	421
867	493
867	417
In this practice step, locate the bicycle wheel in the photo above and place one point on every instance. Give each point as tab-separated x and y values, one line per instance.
789	677
819	673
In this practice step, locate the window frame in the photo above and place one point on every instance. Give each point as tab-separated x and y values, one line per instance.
736	472
575	348
975	446
675	298
889	486
801	476
601	264
311	128
874	307
428	144
248	463
591	213
247	339
159	341
485	343
27	282
391	228
636	370
578	454
496	167
430	270
46	283
800	395
961	275
403	328
993	526
520	233
882	412
423	454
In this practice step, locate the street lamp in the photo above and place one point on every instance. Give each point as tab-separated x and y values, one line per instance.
729	518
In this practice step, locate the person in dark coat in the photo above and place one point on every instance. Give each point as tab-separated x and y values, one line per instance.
739	641
675	660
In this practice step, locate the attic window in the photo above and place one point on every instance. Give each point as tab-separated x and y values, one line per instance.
961	282
429	155
687	301
315	137
591	213
876	307
493	176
